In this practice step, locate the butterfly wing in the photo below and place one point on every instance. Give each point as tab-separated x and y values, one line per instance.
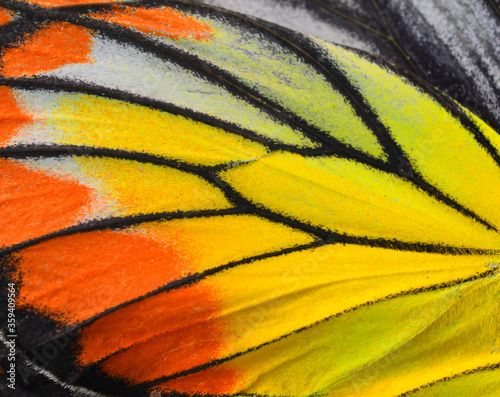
199	202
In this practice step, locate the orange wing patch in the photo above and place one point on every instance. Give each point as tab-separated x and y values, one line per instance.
189	339
113	267
65	3
212	381
54	45
33	204
165	22
5	16
12	118
162	313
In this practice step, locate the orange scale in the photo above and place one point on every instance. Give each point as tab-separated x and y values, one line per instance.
12	118
49	48
213	381
165	22
33	204
169	353
6	16
63	3
183	312
113	267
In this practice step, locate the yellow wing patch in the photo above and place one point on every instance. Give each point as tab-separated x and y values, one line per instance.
348	197
437	145
87	120
125	187
484	383
207	239
353	354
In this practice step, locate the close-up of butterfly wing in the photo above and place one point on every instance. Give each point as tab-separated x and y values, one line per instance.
207	201
453	45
